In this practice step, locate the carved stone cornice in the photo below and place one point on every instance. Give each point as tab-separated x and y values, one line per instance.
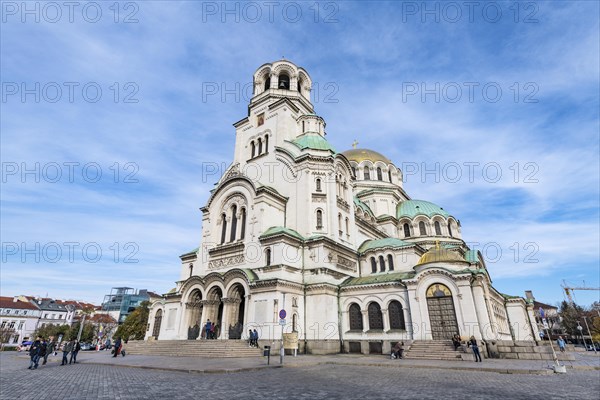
231	300
194	304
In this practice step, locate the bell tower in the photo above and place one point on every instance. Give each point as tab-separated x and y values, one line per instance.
280	110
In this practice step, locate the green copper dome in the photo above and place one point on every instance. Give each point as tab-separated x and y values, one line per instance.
313	141
412	208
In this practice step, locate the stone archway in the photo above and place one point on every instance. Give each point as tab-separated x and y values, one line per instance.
236	304
442	315
194	313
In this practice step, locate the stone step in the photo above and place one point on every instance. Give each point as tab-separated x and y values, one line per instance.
194	348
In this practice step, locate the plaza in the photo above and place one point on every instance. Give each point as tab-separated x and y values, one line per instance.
99	376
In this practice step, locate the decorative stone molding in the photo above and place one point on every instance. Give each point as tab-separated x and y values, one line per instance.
226	262
231	300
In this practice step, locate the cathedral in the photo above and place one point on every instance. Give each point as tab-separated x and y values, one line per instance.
332	239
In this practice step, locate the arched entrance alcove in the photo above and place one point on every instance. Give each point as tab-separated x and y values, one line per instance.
236	299
157	322
214	311
442	315
194	312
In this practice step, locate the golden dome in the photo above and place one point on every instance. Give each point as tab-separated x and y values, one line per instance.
359	155
440	254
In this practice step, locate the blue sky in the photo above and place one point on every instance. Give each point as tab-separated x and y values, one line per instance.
378	68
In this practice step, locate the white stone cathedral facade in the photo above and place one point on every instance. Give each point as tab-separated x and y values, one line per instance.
331	237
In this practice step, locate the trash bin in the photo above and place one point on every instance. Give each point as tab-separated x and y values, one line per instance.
267	351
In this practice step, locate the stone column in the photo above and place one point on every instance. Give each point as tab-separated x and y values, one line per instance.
386	319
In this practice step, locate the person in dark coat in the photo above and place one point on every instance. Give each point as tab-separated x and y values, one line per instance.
67	348
117	346
34	353
473	345
50	346
76	348
207	328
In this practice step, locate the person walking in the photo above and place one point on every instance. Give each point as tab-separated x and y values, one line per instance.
67	348
34	353
76	348
50	347
117	347
473	345
561	344
255	338
456	342
250	338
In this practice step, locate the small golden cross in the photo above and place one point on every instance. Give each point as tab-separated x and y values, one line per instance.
354	144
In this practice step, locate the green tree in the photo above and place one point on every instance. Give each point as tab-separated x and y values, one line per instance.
87	334
135	325
53	330
571	315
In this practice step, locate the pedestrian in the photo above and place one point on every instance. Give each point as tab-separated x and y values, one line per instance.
395	351
123	343
34	353
250	338
107	344
401	350
456	342
561	344
255	338
117	346
207	329
212	331
50	346
76	348
473	345
43	350
67	348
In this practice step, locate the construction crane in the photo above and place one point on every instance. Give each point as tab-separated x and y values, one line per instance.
569	290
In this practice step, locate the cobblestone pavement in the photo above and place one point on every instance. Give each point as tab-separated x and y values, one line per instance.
93	381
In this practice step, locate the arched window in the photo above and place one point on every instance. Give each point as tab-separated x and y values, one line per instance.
367	174
303	128
243	228
381	264
253	147
406	230
340	223
299	88
353	171
390	175
268	83
267	144
319	219
396	315
259	146
449	228
223	227
422	230
191	270
284	81
379	174
233	223
318	182
375	317
438	228
347	226
355	315
268	257
373	265
390	262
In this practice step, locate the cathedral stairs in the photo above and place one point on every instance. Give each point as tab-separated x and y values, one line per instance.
193	348
433	350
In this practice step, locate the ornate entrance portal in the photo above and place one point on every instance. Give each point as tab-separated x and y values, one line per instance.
442	316
194	309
